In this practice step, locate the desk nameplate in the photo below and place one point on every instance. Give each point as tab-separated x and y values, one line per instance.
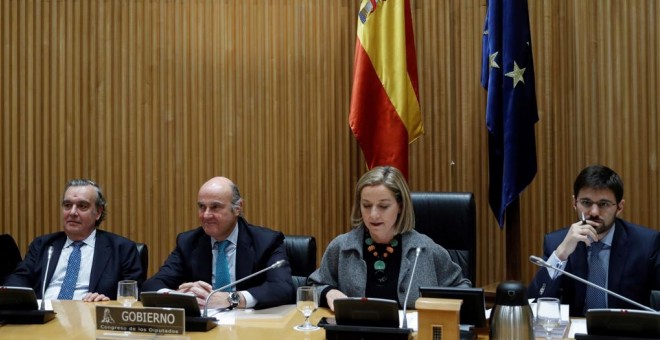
146	320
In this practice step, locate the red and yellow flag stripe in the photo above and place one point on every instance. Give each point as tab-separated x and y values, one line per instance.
385	113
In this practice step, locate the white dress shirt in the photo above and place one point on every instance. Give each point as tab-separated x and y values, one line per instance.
86	260
230	252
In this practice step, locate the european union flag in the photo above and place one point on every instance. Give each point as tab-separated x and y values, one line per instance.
508	76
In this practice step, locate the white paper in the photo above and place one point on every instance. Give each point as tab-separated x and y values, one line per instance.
49	304
277	314
577	326
411	319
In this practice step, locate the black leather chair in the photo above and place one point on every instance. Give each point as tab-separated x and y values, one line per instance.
449	218
143	250
655	300
10	256
301	251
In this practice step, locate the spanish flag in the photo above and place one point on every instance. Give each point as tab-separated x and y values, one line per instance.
385	115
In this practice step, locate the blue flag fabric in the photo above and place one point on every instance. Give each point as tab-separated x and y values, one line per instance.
508	75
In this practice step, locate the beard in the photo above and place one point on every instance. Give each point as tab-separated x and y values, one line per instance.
605	227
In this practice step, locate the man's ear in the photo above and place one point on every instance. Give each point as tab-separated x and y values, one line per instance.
239	208
574	203
99	213
619	207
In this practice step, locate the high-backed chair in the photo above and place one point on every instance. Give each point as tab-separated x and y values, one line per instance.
655	300
449	218
10	256
143	250
301	251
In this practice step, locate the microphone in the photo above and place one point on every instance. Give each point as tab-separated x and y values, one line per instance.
541	263
404	324
277	264
43	284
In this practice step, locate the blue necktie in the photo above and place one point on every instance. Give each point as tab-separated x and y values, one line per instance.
221	266
71	276
597	274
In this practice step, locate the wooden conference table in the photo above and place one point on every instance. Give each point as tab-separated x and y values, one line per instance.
77	320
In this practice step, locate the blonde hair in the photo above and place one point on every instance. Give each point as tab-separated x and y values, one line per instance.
393	180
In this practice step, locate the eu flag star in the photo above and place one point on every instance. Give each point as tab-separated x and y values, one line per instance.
516	74
491	60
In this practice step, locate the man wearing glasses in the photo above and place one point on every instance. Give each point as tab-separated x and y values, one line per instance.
599	247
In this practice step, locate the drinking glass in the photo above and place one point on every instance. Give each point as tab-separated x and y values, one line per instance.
548	314
127	292
307	302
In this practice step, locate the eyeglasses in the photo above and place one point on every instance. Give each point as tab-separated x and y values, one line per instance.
604	204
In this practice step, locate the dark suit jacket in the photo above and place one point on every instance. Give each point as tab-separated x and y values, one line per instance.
115	258
10	258
257	249
634	268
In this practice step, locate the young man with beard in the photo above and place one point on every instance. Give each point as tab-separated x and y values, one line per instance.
600	247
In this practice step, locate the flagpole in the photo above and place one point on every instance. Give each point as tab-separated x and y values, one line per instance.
511	112
512	230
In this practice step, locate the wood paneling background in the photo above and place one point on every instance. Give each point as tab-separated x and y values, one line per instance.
151	98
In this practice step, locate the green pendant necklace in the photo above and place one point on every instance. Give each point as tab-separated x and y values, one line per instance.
380	264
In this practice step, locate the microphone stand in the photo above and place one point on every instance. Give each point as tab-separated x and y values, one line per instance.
541	263
273	266
43	285
404	324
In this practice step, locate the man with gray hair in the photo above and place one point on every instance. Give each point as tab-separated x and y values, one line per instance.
85	263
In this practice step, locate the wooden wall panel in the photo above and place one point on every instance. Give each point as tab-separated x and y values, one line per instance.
151	98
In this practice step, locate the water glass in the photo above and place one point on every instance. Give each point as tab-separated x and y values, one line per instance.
548	314
307	302
127	292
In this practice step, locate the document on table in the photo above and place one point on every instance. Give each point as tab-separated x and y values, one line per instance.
277	314
412	319
49	304
577	326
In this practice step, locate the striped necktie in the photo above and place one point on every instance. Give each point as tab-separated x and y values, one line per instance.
71	276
